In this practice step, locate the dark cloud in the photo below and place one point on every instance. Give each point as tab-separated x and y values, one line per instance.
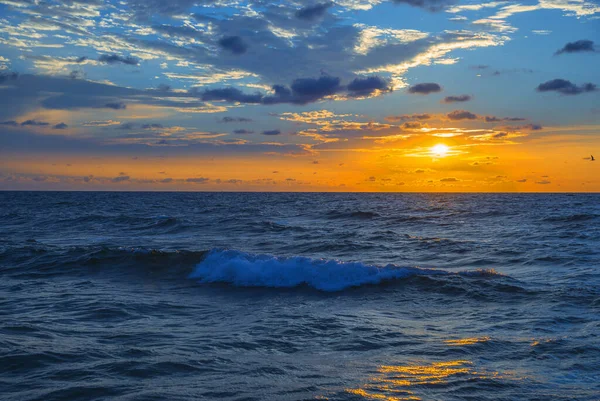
34	123
543	182
8	76
166	181
232	95
579	46
366	86
76	74
121	178
461	115
30	92
425	88
454	99
412	125
126	126
272	132
116	105
431	5
311	13
115	59
449	179
228	119
12	123
404	117
310	89
200	180
494	119
146	9
514	70
242	131
60	126
152	126
527	127
234	44
479	67
301	91
565	87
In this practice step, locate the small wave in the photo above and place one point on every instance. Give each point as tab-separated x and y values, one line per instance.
248	270
335	214
572	218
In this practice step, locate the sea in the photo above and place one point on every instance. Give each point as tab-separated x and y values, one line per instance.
299	296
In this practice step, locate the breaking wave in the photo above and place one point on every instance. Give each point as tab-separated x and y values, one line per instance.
249	270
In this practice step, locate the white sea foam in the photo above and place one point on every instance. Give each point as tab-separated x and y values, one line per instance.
248	270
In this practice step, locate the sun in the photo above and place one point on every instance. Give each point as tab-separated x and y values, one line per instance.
440	150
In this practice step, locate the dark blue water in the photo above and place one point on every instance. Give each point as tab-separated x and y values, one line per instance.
225	296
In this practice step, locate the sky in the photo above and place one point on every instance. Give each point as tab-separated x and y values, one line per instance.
345	95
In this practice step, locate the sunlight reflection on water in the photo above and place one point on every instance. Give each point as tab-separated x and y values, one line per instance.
405	382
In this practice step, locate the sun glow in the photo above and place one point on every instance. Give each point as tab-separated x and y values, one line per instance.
440	150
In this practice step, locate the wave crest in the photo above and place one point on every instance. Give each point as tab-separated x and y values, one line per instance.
249	270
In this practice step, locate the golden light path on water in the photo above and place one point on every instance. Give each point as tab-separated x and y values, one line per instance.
468	341
405	382
412	382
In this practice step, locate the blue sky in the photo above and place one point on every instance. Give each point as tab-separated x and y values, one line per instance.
288	78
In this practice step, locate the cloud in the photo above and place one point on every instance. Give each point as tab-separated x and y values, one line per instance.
116	59
494	119
34	123
11	123
234	44
116	105
232	95
543	182
431	5
412	125
425	88
565	87
449	179
404	117
200	180
228	119
60	126
579	46
271	132
301	91
311	13
152	126
121	178
8	76
242	131
454	99
368	85
526	127
457	115
312	89
126	126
